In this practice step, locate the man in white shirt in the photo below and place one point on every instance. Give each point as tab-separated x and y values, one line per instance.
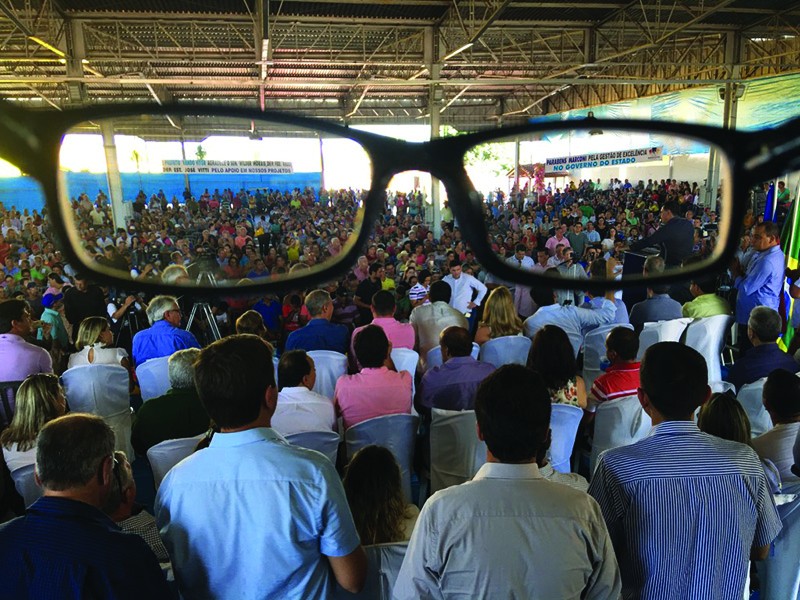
781	398
463	288
477	540
300	408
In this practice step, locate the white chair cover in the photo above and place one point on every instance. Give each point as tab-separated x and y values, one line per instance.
661	331
275	361
165	455
153	376
506	350
434	356
618	423
25	482
395	432
779	575
326	442
383	565
707	336
750	398
405	359
330	366
720	387
594	351
456	451
102	390
564	421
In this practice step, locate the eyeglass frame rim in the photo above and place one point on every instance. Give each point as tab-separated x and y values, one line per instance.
37	131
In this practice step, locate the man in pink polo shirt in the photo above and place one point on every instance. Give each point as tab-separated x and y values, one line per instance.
401	335
376	390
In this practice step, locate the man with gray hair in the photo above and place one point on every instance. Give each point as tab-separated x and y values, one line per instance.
178	413
64	546
319	333
164	336
763	328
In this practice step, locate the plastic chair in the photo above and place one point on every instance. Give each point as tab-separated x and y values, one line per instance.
434	356
619	422
779	575
383	566
662	331
326	442
330	366
25	482
153	377
720	387
707	336
395	432
594	351
165	455
102	390
506	350
564	421
750	397
456	451
7	391
275	361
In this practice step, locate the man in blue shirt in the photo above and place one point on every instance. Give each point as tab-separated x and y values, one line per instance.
761	284
65	546
763	329
686	510
164	336
252	516
319	333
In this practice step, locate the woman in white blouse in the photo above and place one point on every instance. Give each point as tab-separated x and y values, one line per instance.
39	400
94	344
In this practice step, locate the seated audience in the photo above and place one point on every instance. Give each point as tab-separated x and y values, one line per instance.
718	488
40	399
658	306
376	390
571	319
429	320
551	356
319	333
723	416
763	328
621	378
500	316
164	336
469	538
131	517
295	534
64	546
452	385
375	494
706	303
781	398
94	345
299	407
401	335
178	413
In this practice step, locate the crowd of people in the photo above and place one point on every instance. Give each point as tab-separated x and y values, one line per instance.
419	288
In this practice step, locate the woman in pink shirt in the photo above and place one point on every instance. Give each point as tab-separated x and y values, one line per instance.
376	390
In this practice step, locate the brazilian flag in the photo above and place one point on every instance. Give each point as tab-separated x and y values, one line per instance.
790	244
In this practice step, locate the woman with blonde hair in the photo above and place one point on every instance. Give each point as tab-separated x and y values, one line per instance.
500	317
375	494
39	400
95	345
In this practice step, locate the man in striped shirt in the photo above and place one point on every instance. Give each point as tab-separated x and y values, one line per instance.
686	511
621	379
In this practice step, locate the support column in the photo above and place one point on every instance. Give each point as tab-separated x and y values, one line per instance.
430	49
118	212
76	52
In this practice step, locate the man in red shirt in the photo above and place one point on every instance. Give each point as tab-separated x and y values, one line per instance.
622	376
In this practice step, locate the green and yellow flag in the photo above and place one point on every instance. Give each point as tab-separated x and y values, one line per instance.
790	244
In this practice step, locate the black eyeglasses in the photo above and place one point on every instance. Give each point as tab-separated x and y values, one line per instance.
46	146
